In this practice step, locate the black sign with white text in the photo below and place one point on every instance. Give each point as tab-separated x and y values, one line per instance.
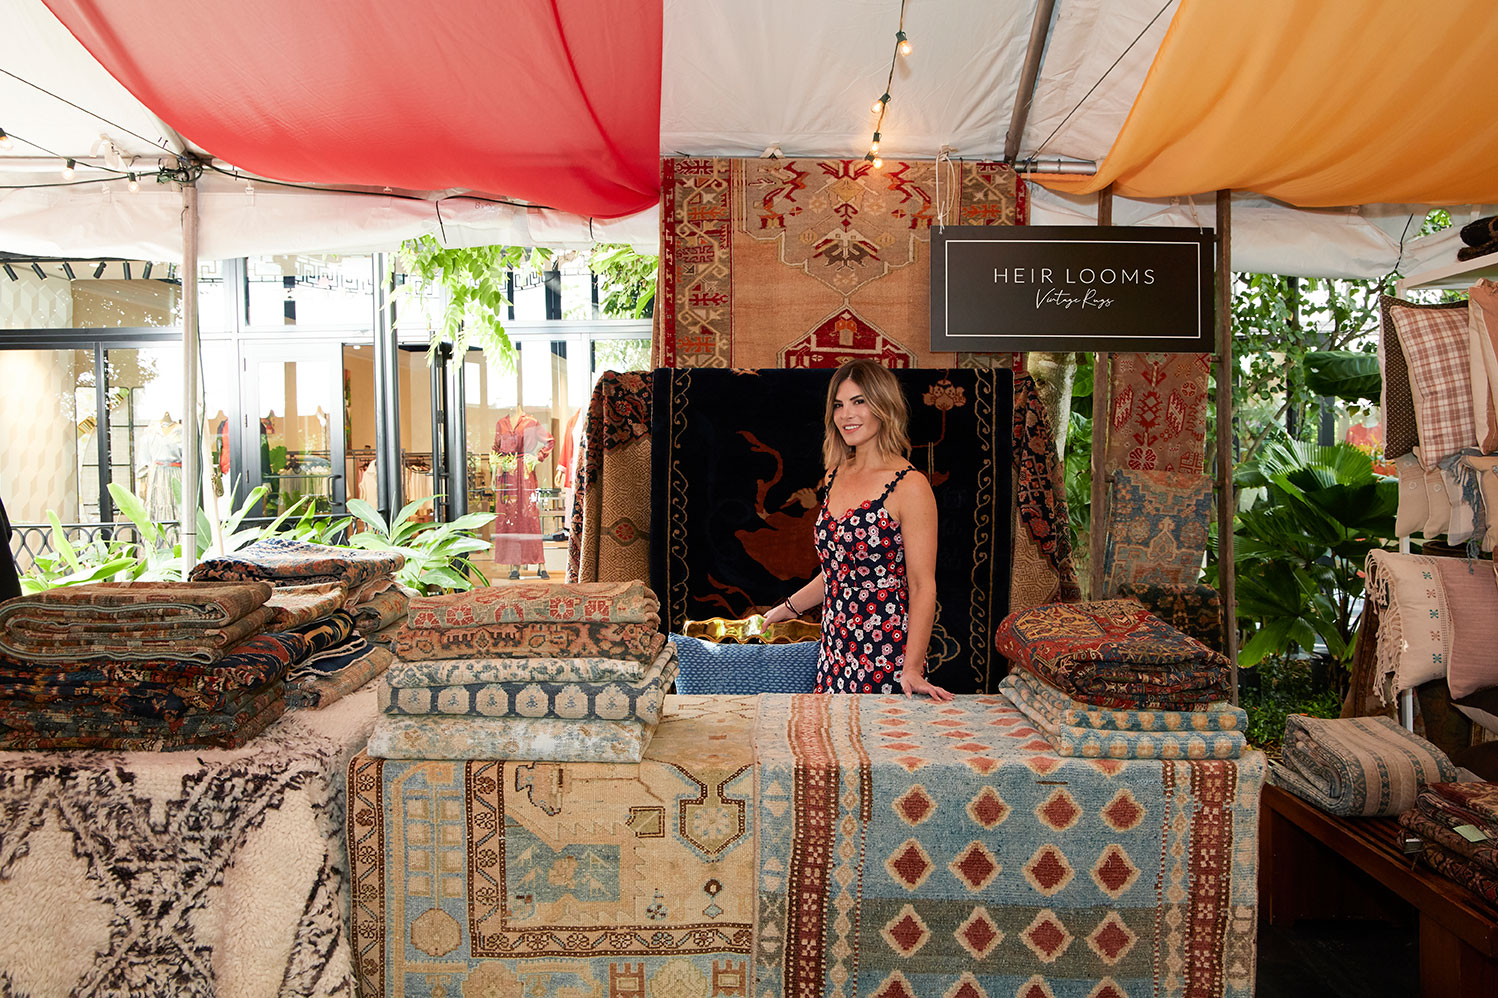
1120	289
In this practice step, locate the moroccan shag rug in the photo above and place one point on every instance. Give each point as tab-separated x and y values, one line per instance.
908	849
511	878
216	872
736	458
808	263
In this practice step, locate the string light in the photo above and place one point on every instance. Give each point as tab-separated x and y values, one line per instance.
68	171
133	183
880	106
5	140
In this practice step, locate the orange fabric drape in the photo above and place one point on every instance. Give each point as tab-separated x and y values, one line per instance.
1315	102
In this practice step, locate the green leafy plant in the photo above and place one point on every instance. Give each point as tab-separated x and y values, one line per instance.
1276	689
1299	547
437	554
470	281
626	279
99	560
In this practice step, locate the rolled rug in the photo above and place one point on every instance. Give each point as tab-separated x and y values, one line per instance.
1480	232
381	610
542	639
462	671
1092	743
611	701
537	739
1357	765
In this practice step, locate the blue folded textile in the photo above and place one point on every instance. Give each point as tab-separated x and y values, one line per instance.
710	667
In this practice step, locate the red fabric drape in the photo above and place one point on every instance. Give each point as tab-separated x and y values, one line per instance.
555	102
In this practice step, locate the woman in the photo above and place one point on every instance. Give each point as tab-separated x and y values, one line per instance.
876	540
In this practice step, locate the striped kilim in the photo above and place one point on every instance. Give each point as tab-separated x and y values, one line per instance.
909	848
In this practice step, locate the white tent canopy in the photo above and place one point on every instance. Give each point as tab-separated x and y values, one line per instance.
736	79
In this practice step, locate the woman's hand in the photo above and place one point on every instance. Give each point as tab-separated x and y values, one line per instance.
913	682
777	613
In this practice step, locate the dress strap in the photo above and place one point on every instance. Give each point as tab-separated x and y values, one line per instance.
826	490
891	486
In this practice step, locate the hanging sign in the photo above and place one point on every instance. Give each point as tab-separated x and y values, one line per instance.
1119	289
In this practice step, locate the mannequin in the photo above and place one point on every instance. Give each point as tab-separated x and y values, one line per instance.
158	467
520	445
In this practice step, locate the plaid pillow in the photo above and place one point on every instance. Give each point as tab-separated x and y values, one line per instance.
1435	344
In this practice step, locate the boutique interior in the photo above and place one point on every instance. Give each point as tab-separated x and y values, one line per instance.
342	656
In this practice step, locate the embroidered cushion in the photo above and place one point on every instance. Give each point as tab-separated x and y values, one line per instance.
1414	508
1157	528
709	667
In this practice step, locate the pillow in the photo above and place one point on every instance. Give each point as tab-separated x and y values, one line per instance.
1482	346
1414	631
1438	503
1414	509
1434	339
1397	401
709	667
1471	591
1157	528
1486	470
1463	520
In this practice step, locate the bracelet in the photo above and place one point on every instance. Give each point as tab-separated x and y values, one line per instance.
788	606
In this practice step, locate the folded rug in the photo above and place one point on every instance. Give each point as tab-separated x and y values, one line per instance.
542	639
315	692
1113	653
386	635
1464	803
1091	743
87	715
328	632
380	610
291	562
212	731
331	660
1357	765
296	605
101	606
1440	830
126	641
164	688
1453	866
462	671
612	701
595	602
1219	716
1480	232
363	592
538	739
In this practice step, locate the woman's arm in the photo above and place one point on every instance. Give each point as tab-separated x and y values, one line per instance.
804	599
914	505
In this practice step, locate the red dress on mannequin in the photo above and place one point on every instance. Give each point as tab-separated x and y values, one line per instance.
517	526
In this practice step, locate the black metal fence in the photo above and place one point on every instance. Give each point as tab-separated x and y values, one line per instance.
28	541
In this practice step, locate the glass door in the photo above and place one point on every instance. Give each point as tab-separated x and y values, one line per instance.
292	428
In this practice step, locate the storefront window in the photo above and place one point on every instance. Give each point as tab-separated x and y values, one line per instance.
326	289
89	294
48	412
296	408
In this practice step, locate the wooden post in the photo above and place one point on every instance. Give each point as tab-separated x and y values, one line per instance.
1101	399
1227	502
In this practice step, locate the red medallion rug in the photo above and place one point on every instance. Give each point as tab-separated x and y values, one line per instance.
913	849
1158	415
808	263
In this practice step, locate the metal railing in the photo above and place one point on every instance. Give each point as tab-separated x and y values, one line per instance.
28	541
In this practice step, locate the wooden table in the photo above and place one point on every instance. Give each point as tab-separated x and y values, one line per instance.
1313	864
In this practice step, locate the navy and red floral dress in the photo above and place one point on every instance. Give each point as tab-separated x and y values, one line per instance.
865	603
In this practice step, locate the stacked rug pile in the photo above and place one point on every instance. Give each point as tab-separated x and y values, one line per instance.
345	601
1108	679
555	672
1459	825
1357	766
163	665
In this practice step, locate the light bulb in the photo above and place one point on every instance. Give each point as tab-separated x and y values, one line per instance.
874	146
68	173
904	45
133	184
878	163
5	140
880	104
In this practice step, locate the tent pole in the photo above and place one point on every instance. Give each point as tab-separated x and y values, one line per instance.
1101	385
192	424
1227	502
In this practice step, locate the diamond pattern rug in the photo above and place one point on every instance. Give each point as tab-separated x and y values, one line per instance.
908	849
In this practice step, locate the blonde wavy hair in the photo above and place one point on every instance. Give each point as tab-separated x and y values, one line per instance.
885	400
